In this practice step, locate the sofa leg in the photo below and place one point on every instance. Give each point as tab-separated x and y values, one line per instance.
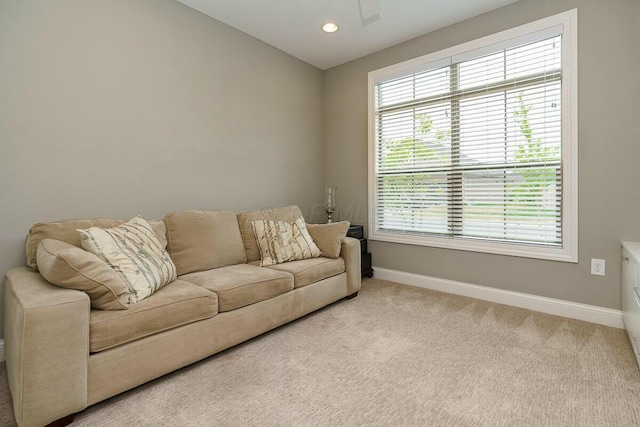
352	296
64	421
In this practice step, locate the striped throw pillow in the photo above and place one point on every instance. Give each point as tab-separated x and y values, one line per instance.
134	252
281	241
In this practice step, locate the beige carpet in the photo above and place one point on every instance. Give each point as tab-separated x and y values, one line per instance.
396	355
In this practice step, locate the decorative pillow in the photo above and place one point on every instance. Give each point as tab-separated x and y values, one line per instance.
286	213
70	267
329	237
281	241
134	252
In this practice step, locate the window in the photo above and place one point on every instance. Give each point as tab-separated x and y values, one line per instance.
475	147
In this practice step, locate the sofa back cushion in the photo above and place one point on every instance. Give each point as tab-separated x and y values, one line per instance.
287	213
202	240
66	231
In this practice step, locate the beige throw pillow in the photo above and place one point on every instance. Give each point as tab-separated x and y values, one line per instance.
134	252
70	267
282	241
329	237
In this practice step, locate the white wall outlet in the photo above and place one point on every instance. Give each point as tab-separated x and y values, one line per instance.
597	267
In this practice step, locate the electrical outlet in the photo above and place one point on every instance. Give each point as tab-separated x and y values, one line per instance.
597	267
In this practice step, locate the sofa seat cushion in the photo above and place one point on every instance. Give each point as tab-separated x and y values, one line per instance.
242	284
308	271
176	304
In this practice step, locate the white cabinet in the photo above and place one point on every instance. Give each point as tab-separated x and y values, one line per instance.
631	293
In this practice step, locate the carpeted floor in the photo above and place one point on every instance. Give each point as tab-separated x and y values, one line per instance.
396	355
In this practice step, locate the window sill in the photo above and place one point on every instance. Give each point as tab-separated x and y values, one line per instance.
471	245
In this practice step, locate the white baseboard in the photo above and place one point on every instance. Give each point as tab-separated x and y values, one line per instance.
573	310
1	350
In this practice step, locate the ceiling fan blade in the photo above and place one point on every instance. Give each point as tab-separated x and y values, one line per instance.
369	11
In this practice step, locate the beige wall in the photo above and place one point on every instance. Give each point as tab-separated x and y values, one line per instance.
124	107
609	152
114	108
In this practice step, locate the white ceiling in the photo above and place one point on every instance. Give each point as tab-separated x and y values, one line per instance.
294	25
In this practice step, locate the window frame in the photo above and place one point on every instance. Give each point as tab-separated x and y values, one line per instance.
568	252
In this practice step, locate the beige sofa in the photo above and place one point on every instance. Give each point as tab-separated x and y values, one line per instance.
62	355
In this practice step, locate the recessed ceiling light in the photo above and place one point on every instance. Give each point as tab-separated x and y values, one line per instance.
330	27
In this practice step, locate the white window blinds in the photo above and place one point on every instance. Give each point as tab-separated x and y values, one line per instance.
471	148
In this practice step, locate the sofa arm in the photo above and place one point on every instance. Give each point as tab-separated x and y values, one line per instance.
46	335
351	254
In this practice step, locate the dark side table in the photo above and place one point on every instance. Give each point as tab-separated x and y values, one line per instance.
357	232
